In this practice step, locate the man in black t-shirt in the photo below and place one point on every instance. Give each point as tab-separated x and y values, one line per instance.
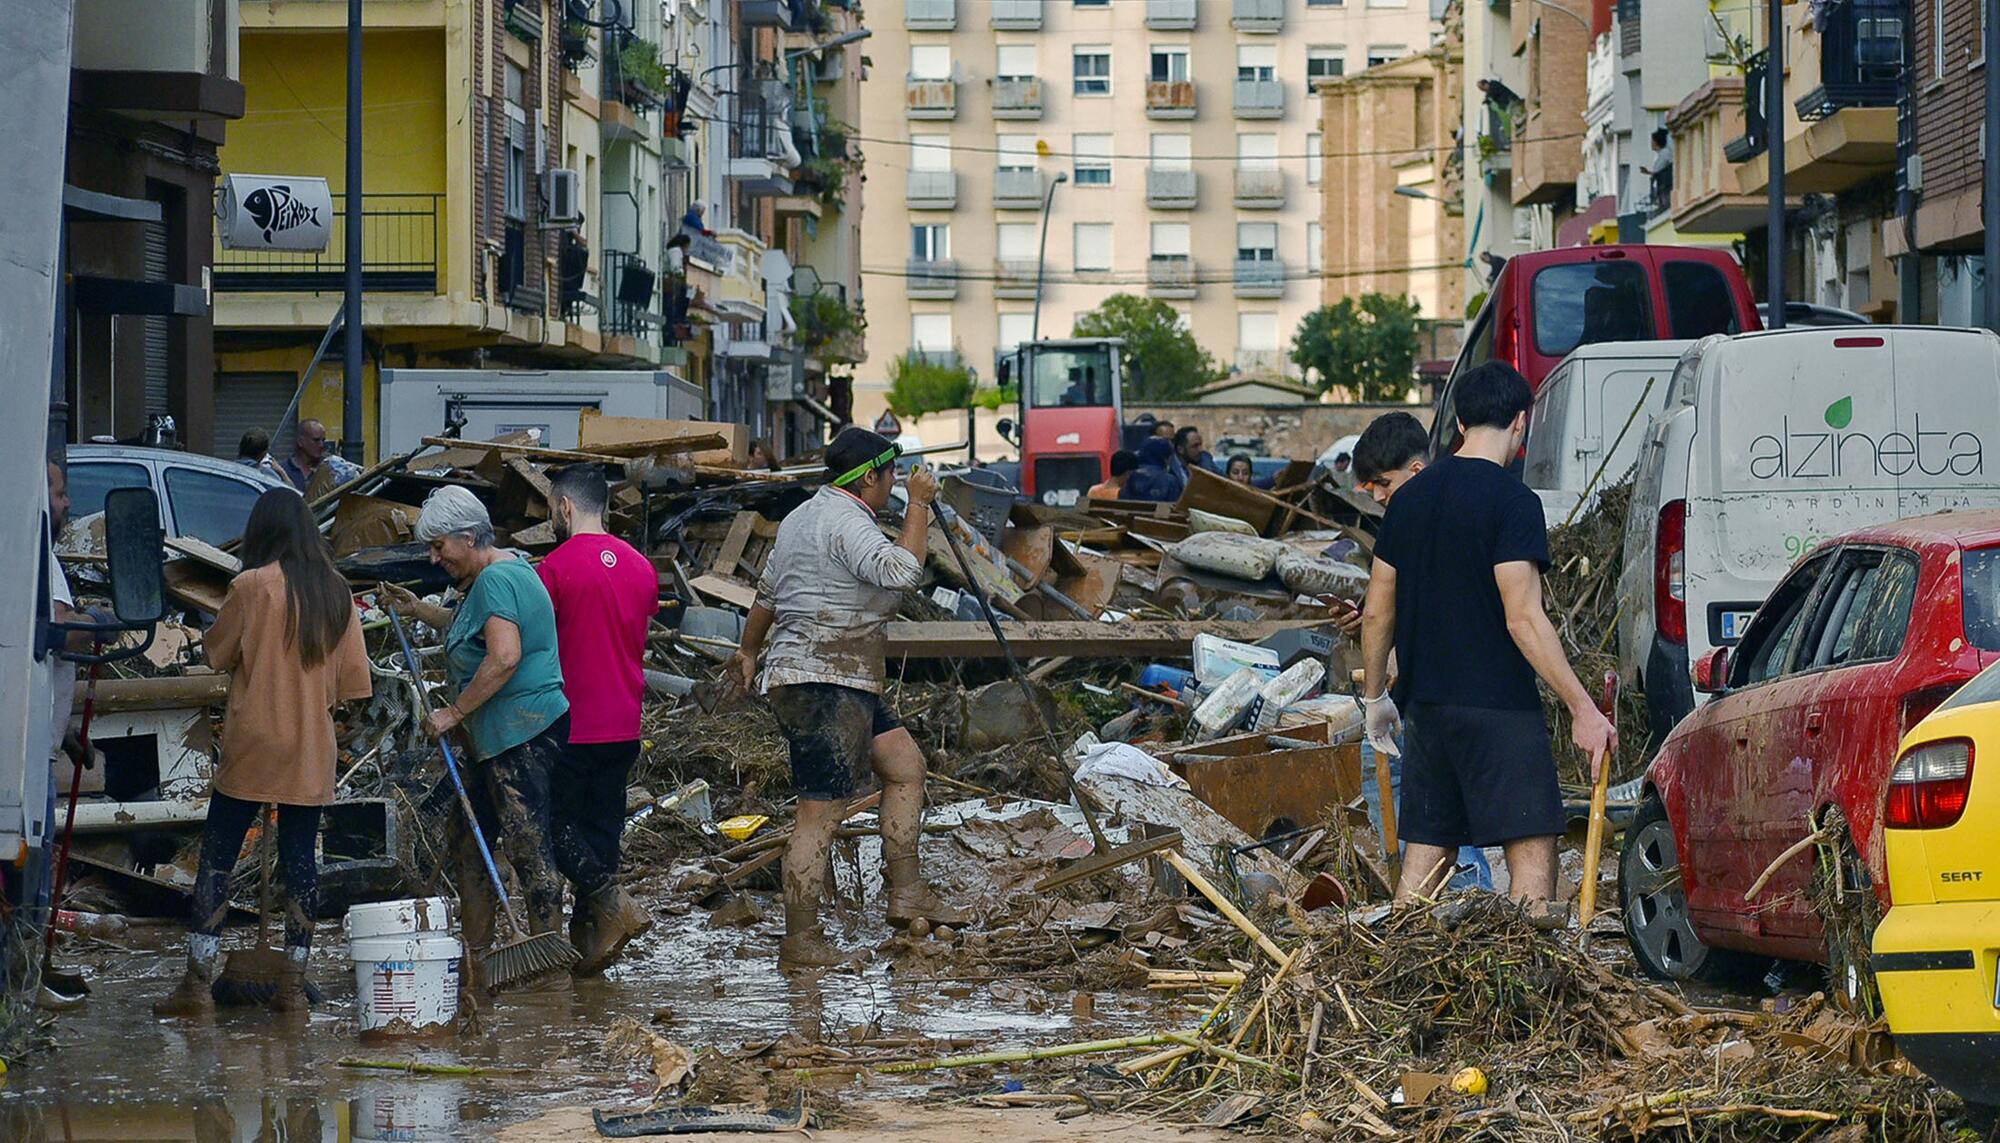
1457	588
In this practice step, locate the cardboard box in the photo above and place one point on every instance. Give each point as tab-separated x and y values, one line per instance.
596	429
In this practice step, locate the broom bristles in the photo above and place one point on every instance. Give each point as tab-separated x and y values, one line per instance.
520	961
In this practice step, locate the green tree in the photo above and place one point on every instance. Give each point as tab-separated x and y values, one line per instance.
1163	362
920	384
1369	346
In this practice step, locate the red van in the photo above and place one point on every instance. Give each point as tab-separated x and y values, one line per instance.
1548	302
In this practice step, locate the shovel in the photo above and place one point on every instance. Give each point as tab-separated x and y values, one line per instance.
1385	786
1593	845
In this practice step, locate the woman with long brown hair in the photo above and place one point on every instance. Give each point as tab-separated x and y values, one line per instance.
289	636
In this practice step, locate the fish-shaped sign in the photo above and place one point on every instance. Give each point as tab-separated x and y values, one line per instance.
275	208
275	212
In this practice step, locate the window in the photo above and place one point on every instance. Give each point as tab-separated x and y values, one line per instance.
1388	3
1257	332
1170	65
1093	3
1314	255
1014	61
1379	54
1326	3
1013	330
1256	61
1866	612
209	507
1170	240
930	61
1937	39
1766	650
1017	152
1093	247
1092	159
1091	66
89	481
516	173
1698	300
930	241
930	152
1323	62
1015	241
1172	152
1257	152
1256	241
1587	302
931	333
1314	160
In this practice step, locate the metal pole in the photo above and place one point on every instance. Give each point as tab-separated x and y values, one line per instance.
1774	157
1992	133
350	383
1042	261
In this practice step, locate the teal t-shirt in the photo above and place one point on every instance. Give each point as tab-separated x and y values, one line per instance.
533	698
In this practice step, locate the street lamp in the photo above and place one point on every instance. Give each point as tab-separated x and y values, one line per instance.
1412	192
1042	258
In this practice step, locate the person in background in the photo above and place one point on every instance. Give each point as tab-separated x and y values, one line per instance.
1155	476
253	450
500	651
308	453
290	638
1122	464
605	593
761	458
1164	429
62	609
1241	471
1188	451
1388	452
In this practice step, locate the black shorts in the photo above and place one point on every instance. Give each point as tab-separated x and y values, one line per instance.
831	730
1476	776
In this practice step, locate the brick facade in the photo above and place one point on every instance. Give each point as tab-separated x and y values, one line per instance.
1950	106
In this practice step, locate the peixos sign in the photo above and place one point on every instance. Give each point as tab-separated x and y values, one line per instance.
1810	452
274	212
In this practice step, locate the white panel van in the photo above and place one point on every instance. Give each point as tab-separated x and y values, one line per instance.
1590	420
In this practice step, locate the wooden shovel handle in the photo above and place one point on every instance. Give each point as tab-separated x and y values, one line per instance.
1593	846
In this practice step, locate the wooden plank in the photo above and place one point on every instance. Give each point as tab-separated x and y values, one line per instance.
193	585
1224	497
730	551
534	451
1138	639
735	593
206	554
1360	502
597	431
704	442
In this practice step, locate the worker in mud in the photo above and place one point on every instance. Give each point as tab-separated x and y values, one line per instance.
1457	591
1388	453
605	593
829	588
500	651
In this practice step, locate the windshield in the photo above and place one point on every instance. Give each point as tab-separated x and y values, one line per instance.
1979	576
1071	378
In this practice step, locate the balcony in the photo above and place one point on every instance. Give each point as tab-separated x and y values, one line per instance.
1170	276
931	98
1170	15
629	288
1630	37
1170	99
629	76
1017	188
1839	114
1260	99
1017	15
931	190
1171	188
1257	15
1547	157
760	149
399	253
932	278
930	15
1017	98
1259	188
1860	55
739	292
1496	140
1014	278
188	46
780	14
1708	195
1259	278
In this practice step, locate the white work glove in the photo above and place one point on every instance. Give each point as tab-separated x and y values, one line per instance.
1383	723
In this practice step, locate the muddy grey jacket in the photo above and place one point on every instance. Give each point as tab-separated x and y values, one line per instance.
832	580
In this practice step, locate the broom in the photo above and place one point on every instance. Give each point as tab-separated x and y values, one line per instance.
250	977
509	961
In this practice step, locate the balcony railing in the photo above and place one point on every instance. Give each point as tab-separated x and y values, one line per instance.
931	98
1170	276
930	15
1014	278
932	278
619	84
1259	278
1017	15
1170	99
1861	48
1017	98
1629	38
782	14
1260	362
1170	15
1260	98
931	190
1260	188
1171	188
1756	72
1257	15
1015	188
399	253
629	287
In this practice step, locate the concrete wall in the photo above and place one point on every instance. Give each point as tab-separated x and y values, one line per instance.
1298	431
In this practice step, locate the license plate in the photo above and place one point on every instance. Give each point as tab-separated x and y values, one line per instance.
1733	624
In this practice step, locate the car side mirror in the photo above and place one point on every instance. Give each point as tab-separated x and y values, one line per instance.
132	540
1006	428
1711	672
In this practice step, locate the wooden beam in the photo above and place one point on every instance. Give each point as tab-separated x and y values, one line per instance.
533	452
1138	639
702	443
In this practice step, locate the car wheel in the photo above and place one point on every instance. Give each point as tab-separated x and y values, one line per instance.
1654	901
1843	895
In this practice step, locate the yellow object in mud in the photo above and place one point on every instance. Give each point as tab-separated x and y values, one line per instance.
740	827
1469	1081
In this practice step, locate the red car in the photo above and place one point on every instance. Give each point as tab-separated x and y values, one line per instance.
1865	636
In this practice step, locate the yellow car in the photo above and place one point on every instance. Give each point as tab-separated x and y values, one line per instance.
1937	949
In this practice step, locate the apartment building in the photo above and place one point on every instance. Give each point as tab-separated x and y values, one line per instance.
1174	143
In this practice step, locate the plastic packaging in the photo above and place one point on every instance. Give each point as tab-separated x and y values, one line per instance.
1294	683
1226	705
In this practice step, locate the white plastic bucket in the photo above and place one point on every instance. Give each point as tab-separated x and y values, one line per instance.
411	1113
406	966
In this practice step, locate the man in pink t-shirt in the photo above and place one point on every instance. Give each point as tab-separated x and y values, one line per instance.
605	594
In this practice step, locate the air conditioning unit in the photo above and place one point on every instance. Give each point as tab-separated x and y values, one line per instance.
562	197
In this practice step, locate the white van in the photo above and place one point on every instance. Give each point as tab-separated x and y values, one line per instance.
1590	419
1771	442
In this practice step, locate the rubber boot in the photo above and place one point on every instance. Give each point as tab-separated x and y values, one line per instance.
909	898
291	995
804	945
192	998
614	918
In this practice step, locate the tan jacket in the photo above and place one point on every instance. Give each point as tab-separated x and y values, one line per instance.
278	744
832	581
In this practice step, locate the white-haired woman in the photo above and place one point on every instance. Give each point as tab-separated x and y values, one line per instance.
500	650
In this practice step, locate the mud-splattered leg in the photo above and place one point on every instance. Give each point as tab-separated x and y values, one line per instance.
517	785
899	762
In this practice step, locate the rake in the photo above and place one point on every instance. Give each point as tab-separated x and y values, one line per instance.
1102	855
515	958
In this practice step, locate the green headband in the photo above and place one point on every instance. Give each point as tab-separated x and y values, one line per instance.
866	467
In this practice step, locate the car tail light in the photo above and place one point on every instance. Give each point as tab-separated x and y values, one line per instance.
1918	705
1928	787
1669	573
